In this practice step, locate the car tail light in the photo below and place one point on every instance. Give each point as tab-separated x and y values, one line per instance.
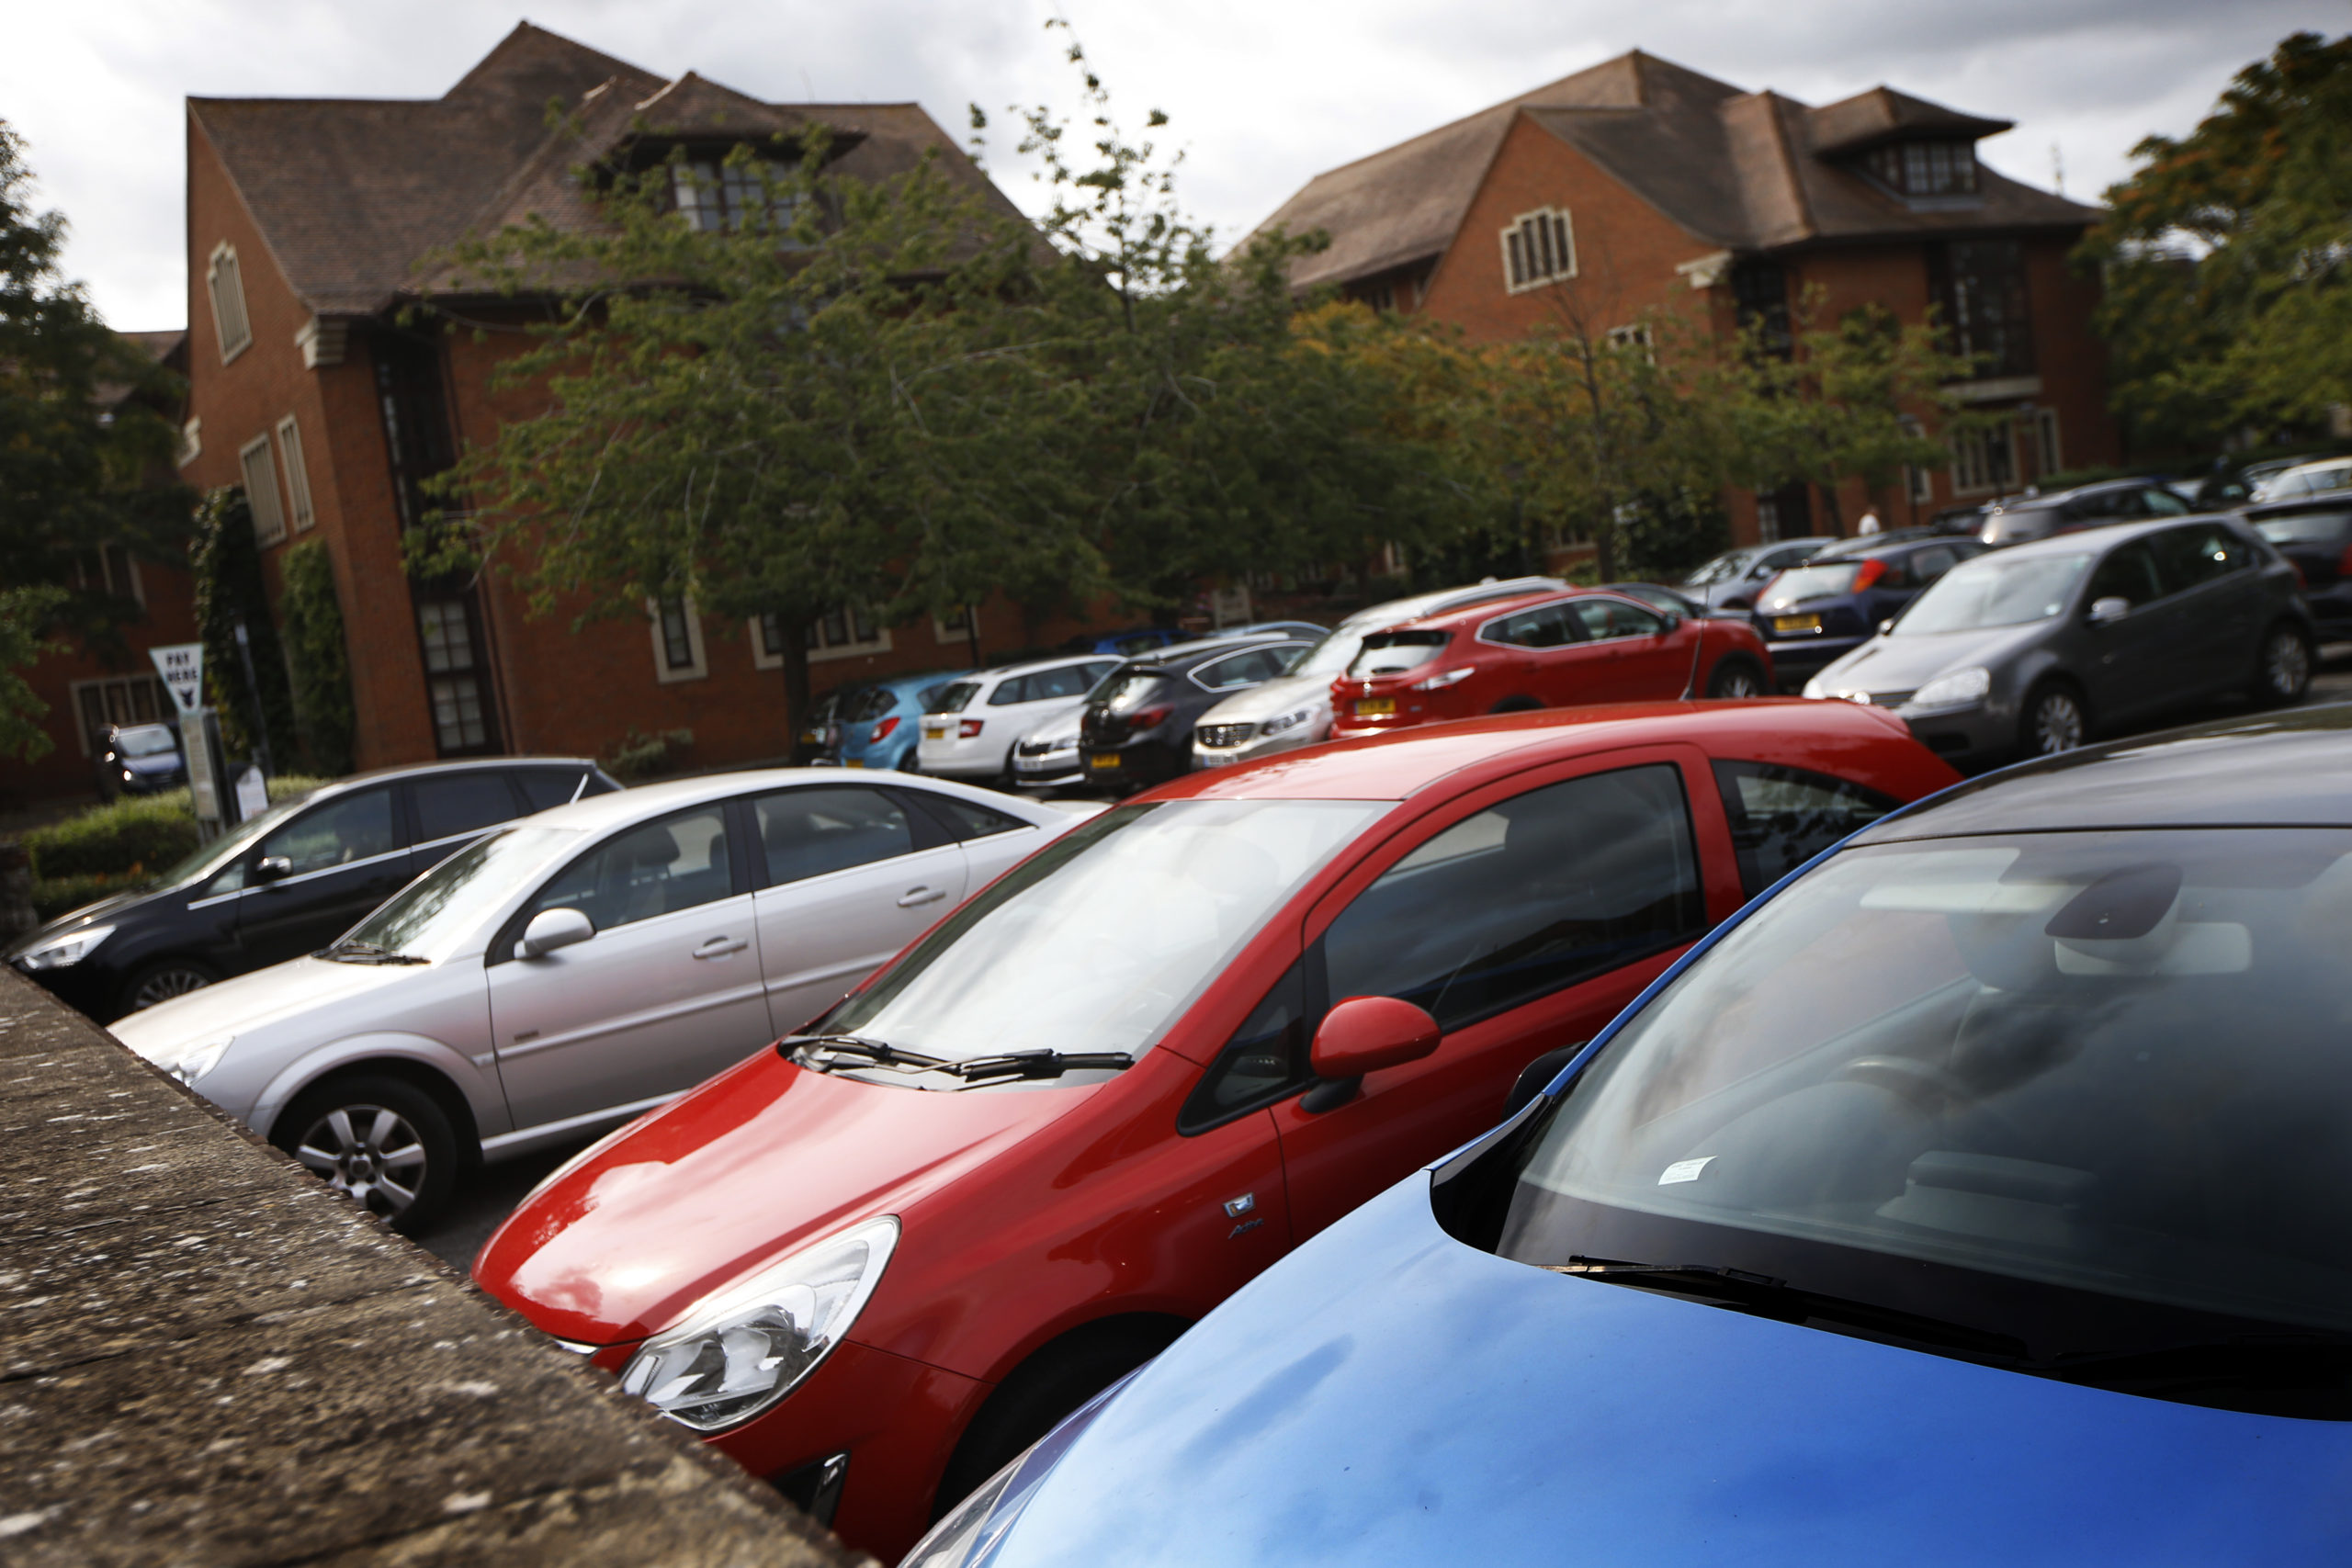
2343	565
1144	719
1871	572
882	730
968	728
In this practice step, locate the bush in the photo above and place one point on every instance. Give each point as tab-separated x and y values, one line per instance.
130	839
57	895
635	756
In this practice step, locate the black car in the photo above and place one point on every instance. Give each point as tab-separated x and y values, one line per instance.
2022	519
1137	730
141	758
1816	612
2316	534
288	882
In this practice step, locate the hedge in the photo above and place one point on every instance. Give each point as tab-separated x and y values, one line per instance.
131	839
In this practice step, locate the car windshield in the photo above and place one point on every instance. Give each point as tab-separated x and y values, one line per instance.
1330	658
1814	581
2075	1093
2304	529
1099	940
434	916
1125	689
1995	590
1392	653
1723	569
146	741
956	697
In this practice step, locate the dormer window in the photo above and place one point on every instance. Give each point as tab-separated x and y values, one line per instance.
712	195
1925	168
1539	247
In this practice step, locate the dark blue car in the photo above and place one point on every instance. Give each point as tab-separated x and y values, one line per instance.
1811	615
1982	1194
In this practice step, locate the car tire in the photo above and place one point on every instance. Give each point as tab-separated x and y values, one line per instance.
163	980
380	1141
2054	720
1042	1390
1734	678
2282	668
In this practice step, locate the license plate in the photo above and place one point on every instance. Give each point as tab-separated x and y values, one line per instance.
1796	623
1104	760
1375	707
853	762
935	732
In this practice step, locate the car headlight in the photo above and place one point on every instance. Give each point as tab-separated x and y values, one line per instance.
1815	689
740	1349
1287	721
64	949
1438	682
1955	690
193	1065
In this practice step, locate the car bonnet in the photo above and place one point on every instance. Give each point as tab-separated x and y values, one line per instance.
1280	694
1907	663
1391	1396
303	1001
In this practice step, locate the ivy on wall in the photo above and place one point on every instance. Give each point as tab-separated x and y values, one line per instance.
226	561
316	655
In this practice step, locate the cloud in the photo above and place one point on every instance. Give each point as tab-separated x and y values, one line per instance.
1263	94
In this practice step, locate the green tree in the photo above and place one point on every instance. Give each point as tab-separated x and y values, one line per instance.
24	612
317	657
2227	258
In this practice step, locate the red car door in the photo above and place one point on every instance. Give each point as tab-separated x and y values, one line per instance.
1647	659
1522	918
1543	654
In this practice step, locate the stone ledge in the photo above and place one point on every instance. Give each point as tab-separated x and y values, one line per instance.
207	1359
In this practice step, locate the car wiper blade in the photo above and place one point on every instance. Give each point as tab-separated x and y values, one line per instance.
1040	1064
818	1053
350	950
822	1051
1765	1296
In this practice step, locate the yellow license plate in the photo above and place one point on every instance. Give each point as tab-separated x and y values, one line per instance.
1796	623
1104	760
853	762
1375	707
935	732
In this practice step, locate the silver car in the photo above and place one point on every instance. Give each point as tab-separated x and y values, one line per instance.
2032	649
579	966
1294	710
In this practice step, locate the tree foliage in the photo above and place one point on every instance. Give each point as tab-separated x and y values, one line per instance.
24	615
226	559
318	659
2227	258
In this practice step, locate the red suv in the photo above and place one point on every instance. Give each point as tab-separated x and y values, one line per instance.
876	1261
1553	650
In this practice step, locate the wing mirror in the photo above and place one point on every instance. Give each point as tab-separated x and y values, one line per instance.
273	868
1363	1034
551	929
1537	1076
2106	612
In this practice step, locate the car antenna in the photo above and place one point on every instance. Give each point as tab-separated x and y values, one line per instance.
1698	642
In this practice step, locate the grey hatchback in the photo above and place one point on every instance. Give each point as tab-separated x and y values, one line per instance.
2022	519
2029	651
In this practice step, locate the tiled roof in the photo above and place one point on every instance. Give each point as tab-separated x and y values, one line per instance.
1736	170
352	195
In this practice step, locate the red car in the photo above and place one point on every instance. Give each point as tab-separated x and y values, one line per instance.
1548	650
876	1261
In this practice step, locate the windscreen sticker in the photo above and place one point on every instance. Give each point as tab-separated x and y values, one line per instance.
1685	1170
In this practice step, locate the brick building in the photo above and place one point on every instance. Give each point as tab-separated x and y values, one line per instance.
311	229
1640	185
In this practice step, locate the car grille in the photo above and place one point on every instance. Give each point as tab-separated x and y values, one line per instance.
1890	699
1224	734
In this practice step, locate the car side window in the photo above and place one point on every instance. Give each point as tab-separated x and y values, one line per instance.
1012	688
351	829
659	869
1548	625
1052	685
970	819
1266	1058
1096	671
459	803
1242	670
812	832
1605	619
2128	574
2161	503
1781	817
545	788
2187	558
1543	890
1931	564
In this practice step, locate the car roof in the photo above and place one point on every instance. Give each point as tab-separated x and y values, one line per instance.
1404	762
593	813
2267	771
1028	666
1874	543
2316	463
2035	503
1451	619
456	765
1396	612
1177	653
2106	536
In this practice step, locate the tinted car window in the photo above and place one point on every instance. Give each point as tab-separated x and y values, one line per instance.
1781	817
875	703
970	819
345	830
1392	653
2159	502
1266	1057
2189	557
809	832
545	787
959	694
659	869
1543	890
1071	681
459	803
1605	618
2128	574
1551	626
1930	564
1253	668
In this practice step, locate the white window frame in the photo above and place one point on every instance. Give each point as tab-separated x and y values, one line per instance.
1637	336
1767	518
134	583
822	647
2050	455
298	475
951	636
663	672
191	443
1548	228
270	516
231	323
1971	470
761	658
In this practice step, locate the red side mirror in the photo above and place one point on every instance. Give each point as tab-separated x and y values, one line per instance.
1363	1034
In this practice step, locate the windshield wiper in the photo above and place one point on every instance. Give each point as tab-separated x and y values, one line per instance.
1767	1297
822	1051
351	950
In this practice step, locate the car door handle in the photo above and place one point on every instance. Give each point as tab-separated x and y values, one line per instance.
914	896
720	946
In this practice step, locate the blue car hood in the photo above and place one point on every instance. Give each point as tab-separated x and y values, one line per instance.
1390	1396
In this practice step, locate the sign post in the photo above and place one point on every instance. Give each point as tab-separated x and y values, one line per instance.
181	667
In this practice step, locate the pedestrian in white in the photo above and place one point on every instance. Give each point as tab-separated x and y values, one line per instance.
1869	524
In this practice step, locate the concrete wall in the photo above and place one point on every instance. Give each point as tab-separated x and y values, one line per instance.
206	1358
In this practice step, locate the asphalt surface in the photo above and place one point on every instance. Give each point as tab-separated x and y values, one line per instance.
499	1189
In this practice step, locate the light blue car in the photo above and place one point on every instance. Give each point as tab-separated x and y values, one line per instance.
881	724
1980	1194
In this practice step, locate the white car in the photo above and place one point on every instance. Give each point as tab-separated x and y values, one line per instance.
578	967
979	717
2307	478
1294	710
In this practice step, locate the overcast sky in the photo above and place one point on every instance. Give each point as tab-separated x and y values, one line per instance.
1262	94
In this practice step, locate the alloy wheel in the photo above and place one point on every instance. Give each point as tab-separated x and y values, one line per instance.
163	985
2057	724
1738	682
2285	665
369	1153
